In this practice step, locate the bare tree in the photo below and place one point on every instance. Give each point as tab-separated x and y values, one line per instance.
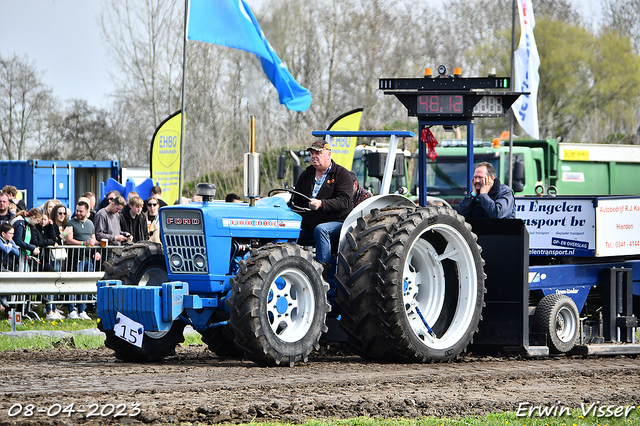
23	98
86	133
623	16
144	44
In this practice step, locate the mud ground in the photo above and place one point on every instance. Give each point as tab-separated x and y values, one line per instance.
196	386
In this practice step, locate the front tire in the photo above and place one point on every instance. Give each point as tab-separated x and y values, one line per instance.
142	264
219	340
278	305
138	264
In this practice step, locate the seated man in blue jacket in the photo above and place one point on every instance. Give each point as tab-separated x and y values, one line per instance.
489	199
329	187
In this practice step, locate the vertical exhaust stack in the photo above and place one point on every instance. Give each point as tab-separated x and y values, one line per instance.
252	168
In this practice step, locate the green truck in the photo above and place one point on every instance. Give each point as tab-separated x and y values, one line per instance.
539	166
368	164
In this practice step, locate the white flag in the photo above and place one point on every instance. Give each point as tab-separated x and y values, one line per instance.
526	64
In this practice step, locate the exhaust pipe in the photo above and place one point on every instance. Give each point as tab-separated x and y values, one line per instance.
252	167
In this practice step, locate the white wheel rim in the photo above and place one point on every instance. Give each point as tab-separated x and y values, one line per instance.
290	305
565	325
424	287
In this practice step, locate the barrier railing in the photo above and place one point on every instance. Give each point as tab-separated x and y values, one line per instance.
55	275
59	259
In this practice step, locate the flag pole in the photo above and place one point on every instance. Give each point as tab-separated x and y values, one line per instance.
184	74
513	79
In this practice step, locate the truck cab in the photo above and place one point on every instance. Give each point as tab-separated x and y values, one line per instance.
447	174
368	164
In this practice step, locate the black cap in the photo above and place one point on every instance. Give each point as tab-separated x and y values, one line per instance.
319	145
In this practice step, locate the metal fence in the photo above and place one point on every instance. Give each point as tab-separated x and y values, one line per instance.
56	275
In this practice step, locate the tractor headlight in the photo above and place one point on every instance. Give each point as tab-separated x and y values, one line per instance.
199	261
176	261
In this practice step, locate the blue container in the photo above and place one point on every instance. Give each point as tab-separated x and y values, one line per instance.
41	180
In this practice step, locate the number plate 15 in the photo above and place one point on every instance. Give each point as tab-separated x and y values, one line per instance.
129	330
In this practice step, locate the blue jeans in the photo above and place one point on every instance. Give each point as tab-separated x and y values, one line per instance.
81	306
322	236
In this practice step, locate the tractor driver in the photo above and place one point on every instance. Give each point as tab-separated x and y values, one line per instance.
489	199
329	186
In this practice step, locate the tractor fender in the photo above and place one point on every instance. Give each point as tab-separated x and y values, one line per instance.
365	207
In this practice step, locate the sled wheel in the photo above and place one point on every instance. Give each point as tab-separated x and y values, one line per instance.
431	286
557	316
278	305
142	264
356	300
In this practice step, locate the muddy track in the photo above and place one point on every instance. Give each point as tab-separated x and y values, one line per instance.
195	385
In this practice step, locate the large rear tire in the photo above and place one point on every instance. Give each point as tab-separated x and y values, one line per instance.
431	286
402	268
142	264
278	305
356	299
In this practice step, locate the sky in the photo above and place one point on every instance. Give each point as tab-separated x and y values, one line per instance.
62	38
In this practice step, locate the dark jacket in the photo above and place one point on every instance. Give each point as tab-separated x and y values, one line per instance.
6	217
135	226
52	232
499	203
20	227
335	193
43	237
20	205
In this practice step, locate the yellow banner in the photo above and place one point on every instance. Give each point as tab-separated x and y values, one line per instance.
342	148
165	157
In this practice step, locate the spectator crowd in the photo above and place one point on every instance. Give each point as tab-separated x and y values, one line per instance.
53	237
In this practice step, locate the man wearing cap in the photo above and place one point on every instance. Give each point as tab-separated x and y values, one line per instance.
329	186
359	193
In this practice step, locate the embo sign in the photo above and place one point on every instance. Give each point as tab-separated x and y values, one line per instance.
168	144
165	157
342	147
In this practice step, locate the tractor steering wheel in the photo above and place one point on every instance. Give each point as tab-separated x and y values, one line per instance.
293	192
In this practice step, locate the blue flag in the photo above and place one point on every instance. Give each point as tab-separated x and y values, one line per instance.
231	23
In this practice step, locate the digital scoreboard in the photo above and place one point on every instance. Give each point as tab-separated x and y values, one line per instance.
452	98
439	105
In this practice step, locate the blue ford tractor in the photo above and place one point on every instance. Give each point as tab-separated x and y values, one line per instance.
408	283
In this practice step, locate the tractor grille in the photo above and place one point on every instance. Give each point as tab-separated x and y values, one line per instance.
185	248
184	240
